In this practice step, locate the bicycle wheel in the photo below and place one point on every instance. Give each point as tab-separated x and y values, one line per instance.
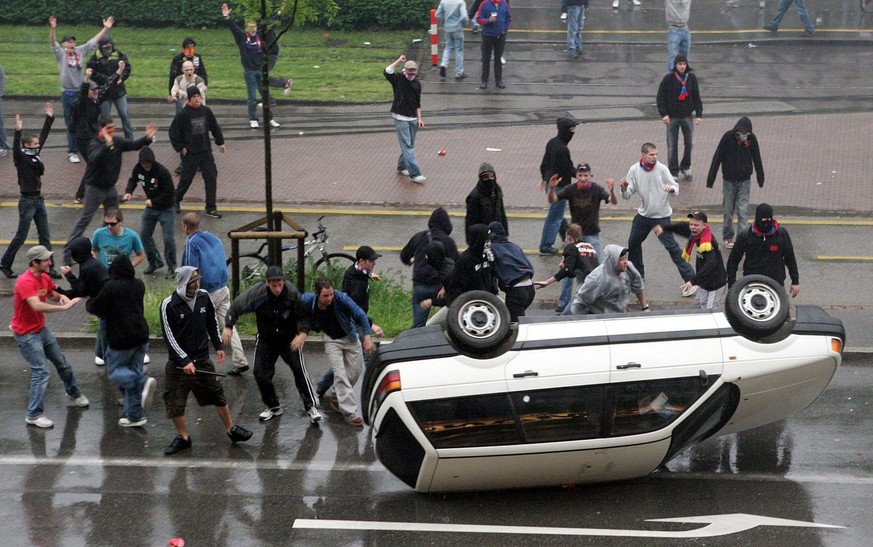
252	267
334	262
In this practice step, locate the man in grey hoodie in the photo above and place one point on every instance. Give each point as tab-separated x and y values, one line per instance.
607	289
453	16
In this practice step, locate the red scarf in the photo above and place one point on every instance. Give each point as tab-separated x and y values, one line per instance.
683	93
703	241
647	166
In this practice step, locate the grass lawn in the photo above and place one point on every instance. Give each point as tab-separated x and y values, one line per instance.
325	65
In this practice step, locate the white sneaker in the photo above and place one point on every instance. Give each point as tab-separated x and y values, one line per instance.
124	422
42	422
270	413
81	401
563	17
419	179
689	292
253	124
761	4
405	172
74	158
274	123
638	3
146	360
99	361
614	4
314	415
502	60
148	392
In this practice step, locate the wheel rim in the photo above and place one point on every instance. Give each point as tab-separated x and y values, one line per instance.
759	302
479	319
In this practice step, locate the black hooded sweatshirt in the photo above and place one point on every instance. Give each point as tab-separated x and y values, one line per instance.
30	167
737	157
439	229
474	270
485	205
557	159
92	273
764	254
156	183
120	305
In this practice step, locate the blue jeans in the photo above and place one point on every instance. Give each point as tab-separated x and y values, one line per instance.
678	41
736	198
406	137
802	11
167	218
121	107
38	348
124	367
4	145
67	100
422	291
554	224
687	127
575	24
100	339
454	42
253	87
29	209
640	229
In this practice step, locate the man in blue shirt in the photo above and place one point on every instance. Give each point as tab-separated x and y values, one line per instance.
114	239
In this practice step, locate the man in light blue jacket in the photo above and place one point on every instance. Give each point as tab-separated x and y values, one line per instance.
339	318
452	15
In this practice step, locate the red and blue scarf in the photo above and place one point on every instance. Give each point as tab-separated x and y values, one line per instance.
760	233
683	93
646	166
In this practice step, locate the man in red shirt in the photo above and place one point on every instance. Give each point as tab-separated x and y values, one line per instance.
36	343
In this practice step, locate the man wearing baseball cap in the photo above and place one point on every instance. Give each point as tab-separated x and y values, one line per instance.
710	277
406	111
37	344
278	311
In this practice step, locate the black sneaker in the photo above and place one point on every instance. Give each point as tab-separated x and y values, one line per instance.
212	214
239	434
443	72
461	77
237	371
500	85
154	267
7	271
177	445
483	85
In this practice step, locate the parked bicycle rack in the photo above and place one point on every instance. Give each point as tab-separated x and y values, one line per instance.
275	239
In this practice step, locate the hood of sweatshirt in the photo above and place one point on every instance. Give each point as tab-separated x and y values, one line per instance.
184	275
80	249
498	232
436	254
439	220
743	124
121	268
565	129
477	236
611	254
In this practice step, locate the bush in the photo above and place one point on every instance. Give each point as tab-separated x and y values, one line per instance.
382	14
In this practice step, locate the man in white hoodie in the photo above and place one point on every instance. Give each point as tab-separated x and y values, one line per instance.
653	182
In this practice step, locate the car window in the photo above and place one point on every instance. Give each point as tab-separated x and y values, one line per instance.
481	420
649	405
560	414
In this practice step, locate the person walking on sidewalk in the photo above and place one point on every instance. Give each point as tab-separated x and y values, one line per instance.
678	99
767	249
339	318
485	201
452	14
69	60
189	325
205	251
406	111
802	12
678	34
575	24
738	154
189	135
157	183
37	344
31	205
652	181
120	306
494	17
278	310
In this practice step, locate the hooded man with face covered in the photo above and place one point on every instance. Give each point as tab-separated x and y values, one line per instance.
514	272
189	325
767	249
737	154
104	64
608	288
485	201
406	111
557	161
92	276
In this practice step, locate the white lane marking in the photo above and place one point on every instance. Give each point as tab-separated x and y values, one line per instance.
715	525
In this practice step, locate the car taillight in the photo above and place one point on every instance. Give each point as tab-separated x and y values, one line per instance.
390	383
836	345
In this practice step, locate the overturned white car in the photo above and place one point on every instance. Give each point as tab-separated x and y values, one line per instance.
484	404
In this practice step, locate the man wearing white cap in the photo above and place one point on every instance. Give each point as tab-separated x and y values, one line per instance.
406	111
36	343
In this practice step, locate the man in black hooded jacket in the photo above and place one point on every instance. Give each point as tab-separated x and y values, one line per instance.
556	160
485	201
425	279
92	276
767	249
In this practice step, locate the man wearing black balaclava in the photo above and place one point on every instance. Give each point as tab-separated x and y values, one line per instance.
767	249
485	202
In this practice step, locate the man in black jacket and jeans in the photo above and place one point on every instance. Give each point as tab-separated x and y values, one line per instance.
279	314
679	98
406	111
767	249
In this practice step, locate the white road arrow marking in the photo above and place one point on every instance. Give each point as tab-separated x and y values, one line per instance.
716	525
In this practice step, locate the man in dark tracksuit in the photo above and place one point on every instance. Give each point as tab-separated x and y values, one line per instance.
189	135
277	307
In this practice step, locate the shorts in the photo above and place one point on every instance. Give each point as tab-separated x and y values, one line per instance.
206	388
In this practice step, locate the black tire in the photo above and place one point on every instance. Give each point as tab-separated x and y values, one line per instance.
252	267
478	322
756	306
334	262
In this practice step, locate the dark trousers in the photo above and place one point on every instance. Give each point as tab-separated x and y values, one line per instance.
82	145
518	299
266	355
492	45
204	161
29	209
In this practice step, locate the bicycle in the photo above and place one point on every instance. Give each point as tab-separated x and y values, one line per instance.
253	265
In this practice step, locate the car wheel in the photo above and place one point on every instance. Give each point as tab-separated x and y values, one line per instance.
756	306
478	322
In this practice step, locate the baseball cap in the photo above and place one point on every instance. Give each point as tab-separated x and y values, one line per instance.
193	91
584	167
68	38
274	273
410	64
38	252
367	253
698	215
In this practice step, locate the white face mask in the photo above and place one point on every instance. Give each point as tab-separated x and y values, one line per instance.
410	76
30	151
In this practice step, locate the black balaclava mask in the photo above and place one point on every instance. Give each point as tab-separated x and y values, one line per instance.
761	212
